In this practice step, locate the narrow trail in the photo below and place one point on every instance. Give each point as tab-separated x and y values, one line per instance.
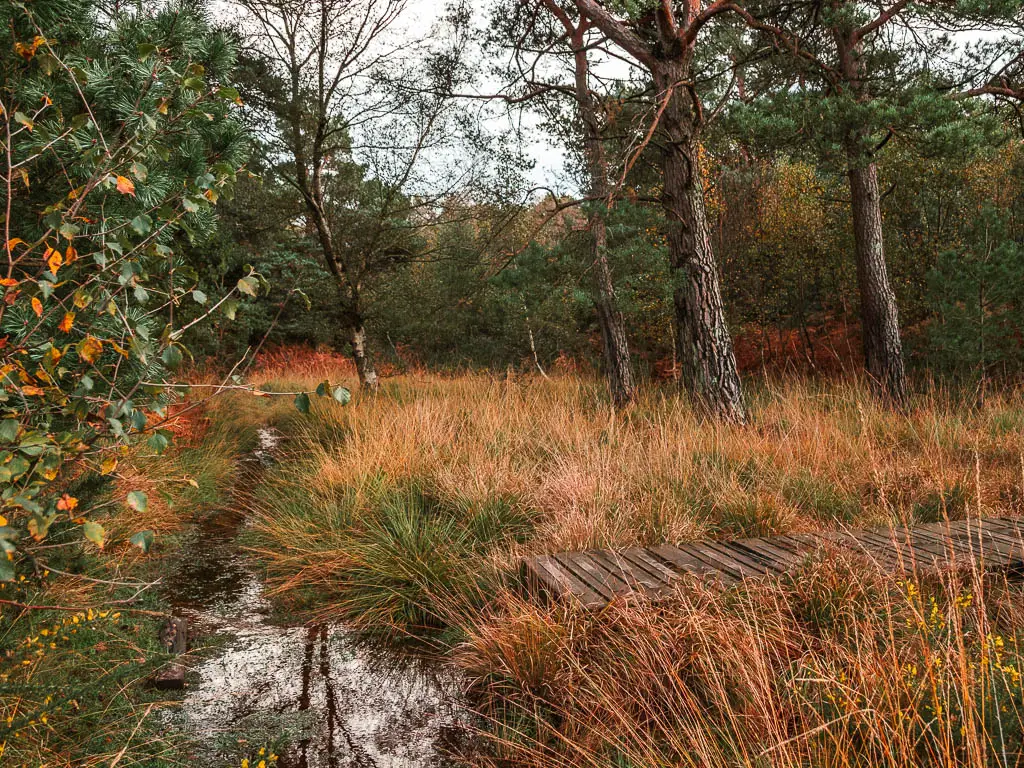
339	701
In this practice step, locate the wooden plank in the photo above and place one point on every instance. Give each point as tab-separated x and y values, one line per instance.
724	563
596	578
777	560
595	575
740	556
568	561
948	547
626	571
643	559
684	561
174	639
536	578
566	583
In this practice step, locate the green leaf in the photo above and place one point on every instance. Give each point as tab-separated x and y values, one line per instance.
24	119
9	430
342	395
138	501
198	296
171	357
158	442
94	532
6	569
142	224
230	308
143	540
13	469
39	524
145	50
302	402
34	443
249	285
193	83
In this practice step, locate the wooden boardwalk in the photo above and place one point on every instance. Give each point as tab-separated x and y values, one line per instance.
595	578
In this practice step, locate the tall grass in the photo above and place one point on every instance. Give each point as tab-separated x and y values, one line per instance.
407	511
817	457
838	665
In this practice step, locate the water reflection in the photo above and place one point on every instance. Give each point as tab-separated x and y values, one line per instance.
339	701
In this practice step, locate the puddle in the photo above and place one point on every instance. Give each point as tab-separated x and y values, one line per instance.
338	701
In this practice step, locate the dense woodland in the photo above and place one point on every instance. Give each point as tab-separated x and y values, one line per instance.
386	296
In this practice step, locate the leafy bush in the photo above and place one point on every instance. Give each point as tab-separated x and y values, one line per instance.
122	136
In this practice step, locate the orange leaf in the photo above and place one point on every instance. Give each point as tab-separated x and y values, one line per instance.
54	260
67	322
125	185
30	390
90	349
13	242
8	282
70	254
67	503
37	306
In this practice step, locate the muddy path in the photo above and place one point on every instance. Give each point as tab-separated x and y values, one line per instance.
336	700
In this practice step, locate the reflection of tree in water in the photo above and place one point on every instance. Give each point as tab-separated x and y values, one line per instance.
342	702
346	685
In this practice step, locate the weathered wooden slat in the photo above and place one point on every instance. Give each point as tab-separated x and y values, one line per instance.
625	571
560	581
738	555
598	577
568	561
724	563
778	560
684	561
649	563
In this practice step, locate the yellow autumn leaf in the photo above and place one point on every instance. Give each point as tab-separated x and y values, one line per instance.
37	306
90	349
54	259
67	322
125	185
108	465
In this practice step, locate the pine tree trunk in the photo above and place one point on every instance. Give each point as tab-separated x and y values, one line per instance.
364	365
883	349
615	345
705	347
618	364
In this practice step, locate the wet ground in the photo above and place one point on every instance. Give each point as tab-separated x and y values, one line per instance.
338	701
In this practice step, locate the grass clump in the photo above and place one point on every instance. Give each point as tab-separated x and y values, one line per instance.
839	665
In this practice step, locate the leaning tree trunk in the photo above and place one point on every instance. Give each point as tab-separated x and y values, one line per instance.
360	355
703	341
883	349
614	343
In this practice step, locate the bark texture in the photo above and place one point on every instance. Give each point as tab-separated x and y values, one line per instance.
614	343
704	344
880	327
364	366
883	348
